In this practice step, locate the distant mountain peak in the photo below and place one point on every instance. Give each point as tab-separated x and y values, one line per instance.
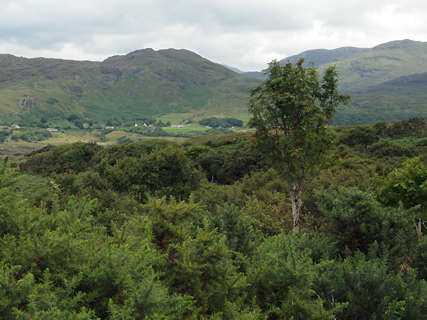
321	56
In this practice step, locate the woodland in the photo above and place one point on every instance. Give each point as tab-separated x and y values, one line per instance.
203	230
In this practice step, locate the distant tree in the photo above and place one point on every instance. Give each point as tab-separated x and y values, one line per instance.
235	122
221	122
290	112
73	117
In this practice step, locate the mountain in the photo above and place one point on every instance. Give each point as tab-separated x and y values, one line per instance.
318	56
141	83
321	56
387	82
379	64
361	68
233	69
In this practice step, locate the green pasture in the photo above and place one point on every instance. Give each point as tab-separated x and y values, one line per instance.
184	130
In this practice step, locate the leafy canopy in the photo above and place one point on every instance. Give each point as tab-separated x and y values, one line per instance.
290	112
407	185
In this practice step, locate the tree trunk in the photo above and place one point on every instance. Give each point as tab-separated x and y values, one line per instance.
418	226
296	199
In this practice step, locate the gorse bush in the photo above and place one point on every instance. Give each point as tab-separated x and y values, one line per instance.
355	221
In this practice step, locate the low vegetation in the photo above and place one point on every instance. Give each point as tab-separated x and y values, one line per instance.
202	229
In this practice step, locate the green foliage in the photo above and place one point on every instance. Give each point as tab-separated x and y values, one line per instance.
411	127
105	239
281	278
118	151
355	221
364	136
370	289
62	265
163	172
290	112
124	139
60	159
80	122
221	122
171	221
229	221
229	167
30	135
419	259
408	186
201	266
194	151
387	148
4	133
9	203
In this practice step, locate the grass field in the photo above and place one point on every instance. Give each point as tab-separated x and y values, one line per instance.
184	130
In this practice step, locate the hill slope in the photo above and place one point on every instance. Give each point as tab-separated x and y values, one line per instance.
382	63
144	82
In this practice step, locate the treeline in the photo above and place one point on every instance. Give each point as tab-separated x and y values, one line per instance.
27	134
221	122
202	230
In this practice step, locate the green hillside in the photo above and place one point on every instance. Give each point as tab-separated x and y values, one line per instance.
414	84
382	63
141	83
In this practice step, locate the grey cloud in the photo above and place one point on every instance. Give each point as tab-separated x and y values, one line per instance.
242	33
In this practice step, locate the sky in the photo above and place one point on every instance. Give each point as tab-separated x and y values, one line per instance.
245	34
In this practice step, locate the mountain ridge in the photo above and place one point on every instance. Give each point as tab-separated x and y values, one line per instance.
143	81
146	82
318	56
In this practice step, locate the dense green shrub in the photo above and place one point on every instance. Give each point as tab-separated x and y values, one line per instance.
384	148
355	221
370	289
163	172
63	265
59	159
280	280
364	136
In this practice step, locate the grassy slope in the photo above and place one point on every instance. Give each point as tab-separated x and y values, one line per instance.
381	63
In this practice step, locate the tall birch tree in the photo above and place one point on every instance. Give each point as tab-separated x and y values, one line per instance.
290	111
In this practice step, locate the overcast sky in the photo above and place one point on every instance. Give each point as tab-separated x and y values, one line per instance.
246	34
